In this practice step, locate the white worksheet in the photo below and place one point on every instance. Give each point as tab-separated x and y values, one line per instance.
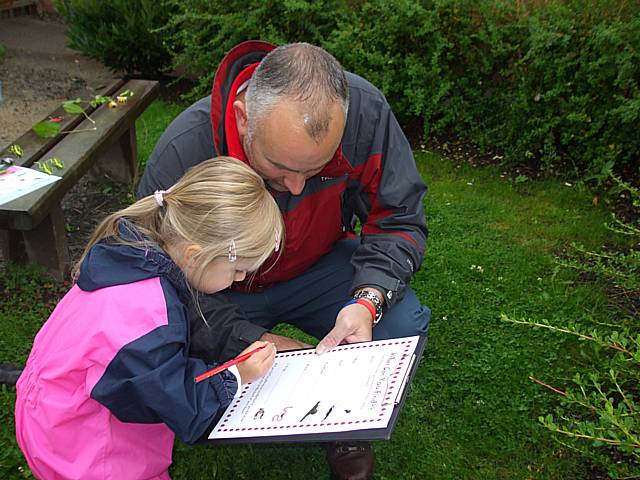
353	387
18	181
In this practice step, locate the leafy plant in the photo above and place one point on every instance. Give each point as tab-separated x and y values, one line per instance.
601	405
550	84
46	129
123	35
201	32
51	128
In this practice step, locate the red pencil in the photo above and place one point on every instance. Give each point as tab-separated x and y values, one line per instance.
224	366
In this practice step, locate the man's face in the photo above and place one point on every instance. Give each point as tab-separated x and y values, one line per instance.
283	153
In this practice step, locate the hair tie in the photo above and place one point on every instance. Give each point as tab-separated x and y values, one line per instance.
158	195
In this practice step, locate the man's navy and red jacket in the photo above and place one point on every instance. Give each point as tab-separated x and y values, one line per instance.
372	176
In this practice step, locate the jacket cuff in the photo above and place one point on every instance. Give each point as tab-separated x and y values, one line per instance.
392	288
234	369
251	333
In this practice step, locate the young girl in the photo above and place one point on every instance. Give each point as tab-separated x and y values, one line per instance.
109	381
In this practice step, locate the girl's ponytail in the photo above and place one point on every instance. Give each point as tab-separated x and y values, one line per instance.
215	202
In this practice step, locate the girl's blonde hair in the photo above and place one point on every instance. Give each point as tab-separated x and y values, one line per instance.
217	204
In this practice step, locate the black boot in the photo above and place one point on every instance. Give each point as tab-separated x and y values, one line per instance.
350	460
9	373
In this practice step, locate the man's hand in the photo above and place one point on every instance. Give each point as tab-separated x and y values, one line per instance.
353	324
283	343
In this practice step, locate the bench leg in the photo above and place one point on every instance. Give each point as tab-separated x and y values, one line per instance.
120	161
12	246
47	245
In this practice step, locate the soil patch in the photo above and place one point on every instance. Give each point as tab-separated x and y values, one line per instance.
39	73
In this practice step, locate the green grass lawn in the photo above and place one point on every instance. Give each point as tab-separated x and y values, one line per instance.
472	411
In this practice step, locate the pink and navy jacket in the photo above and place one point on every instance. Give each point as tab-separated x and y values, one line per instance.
372	177
108	383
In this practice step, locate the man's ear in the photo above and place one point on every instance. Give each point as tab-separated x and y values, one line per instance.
242	123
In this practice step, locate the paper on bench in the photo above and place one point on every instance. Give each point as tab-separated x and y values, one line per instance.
353	387
18	181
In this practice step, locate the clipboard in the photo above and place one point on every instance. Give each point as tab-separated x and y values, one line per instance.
351	435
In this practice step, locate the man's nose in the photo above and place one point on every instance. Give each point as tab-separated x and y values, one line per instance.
294	182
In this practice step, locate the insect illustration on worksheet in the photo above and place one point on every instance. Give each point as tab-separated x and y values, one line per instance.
313	411
278	418
328	413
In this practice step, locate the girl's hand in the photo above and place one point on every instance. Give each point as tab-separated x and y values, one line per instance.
257	364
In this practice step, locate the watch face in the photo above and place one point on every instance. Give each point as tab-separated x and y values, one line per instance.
376	303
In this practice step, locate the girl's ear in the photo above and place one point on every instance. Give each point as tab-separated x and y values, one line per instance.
189	255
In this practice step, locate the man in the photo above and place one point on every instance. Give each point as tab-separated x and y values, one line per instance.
331	151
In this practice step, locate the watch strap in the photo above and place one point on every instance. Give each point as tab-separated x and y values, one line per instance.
373	298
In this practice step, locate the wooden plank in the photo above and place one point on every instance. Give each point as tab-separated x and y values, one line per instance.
79	152
35	147
12	246
120	161
7	5
47	244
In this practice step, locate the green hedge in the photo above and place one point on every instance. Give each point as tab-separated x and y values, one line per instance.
121	34
557	85
554	84
205	30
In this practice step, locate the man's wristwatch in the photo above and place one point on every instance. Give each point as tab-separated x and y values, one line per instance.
373	298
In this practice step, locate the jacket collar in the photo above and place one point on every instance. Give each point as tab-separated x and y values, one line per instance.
109	263
238	58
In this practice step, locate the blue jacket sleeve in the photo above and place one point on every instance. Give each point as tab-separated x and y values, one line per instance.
151	380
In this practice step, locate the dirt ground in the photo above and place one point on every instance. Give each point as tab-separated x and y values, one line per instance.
38	74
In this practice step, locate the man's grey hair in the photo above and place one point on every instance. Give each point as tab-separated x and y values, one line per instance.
303	73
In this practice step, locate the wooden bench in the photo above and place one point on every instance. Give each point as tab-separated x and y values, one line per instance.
10	5
32	227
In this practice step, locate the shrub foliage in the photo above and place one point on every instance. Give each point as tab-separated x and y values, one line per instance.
599	409
557	83
203	31
123	35
552	83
